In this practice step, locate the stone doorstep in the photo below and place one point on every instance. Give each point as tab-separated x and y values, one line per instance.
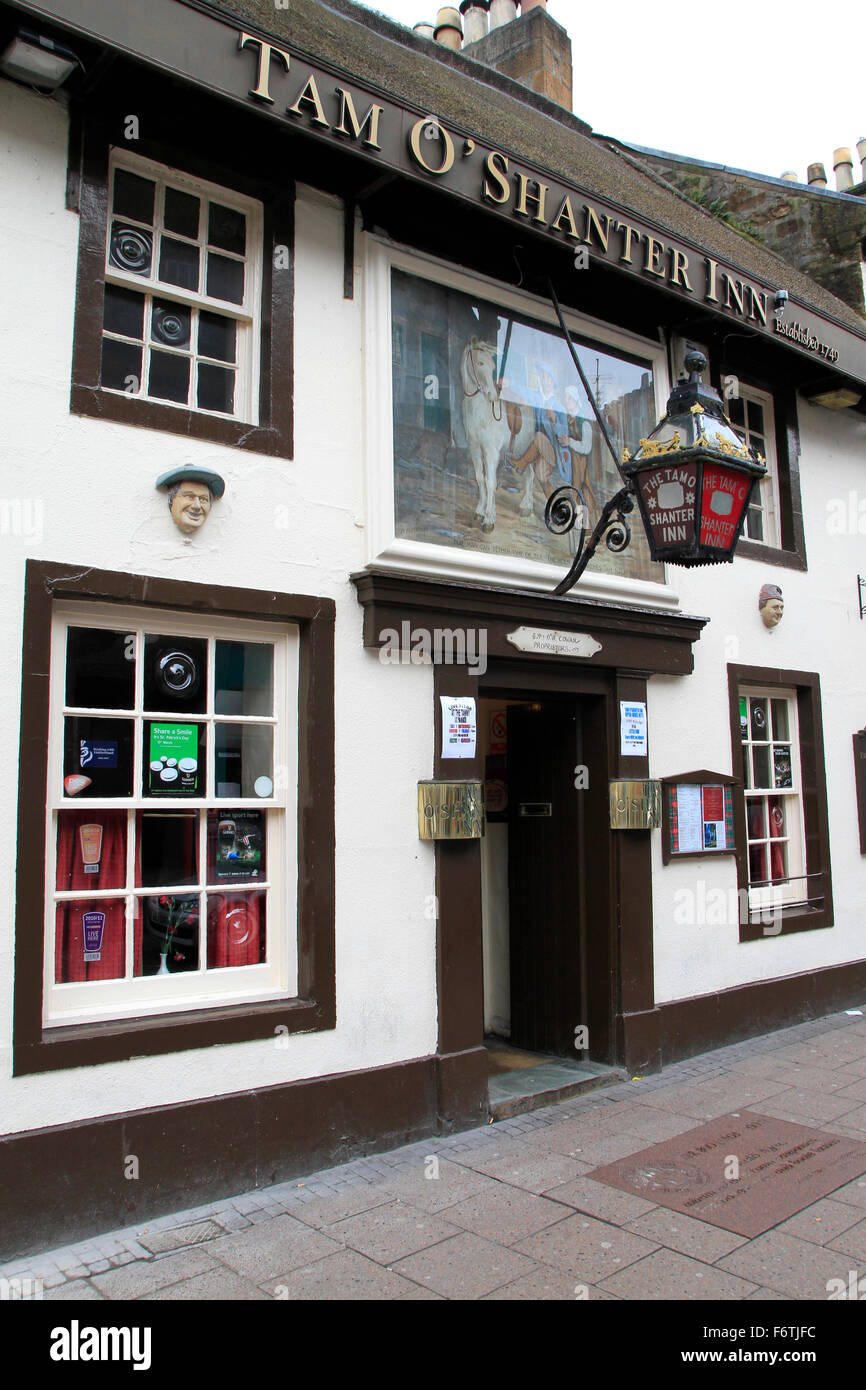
503	1106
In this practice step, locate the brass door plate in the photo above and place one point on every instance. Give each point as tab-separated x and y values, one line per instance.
450	811
635	805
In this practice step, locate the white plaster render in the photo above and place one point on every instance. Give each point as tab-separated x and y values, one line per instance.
95	481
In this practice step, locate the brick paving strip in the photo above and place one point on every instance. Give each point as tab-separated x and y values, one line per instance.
517	1210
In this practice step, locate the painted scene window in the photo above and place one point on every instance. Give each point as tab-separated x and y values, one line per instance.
490	418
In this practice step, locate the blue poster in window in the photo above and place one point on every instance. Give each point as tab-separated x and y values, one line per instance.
98	753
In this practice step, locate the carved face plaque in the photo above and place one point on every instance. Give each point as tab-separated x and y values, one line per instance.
190	506
771	605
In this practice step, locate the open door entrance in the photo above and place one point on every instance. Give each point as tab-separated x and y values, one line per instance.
545	876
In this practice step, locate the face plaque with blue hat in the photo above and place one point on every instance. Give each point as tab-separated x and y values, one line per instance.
191	494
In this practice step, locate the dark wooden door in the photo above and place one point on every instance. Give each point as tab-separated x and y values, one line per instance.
545	876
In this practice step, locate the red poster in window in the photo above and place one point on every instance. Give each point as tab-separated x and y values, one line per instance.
714	803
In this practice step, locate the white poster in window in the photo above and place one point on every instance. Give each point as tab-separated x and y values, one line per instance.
458	726
689	822
632	729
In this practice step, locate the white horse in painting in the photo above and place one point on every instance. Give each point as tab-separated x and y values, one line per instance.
485	422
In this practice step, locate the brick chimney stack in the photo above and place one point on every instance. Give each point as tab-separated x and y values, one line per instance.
533	49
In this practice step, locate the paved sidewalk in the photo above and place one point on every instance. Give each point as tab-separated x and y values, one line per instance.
508	1211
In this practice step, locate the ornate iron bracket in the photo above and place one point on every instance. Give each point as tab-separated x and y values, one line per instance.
563	513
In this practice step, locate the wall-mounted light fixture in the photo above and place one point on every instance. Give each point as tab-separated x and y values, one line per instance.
38	61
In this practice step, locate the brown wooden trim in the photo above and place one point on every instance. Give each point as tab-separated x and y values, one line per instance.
638	639
67	1182
37	1049
706	1021
819	912
274	433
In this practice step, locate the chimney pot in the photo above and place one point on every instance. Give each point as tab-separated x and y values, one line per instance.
502	12
475	20
449	31
790	175
528	5
861	151
843	166
817	176
427	31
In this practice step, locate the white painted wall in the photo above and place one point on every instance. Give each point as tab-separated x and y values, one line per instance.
296	526
821	632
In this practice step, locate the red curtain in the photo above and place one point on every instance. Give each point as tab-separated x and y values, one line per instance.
70	964
235	929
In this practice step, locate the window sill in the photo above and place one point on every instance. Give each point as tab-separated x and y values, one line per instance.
96	1043
146	414
807	917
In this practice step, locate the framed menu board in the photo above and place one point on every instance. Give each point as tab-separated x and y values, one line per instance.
697	815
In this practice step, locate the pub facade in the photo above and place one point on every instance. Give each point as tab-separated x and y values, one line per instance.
320	783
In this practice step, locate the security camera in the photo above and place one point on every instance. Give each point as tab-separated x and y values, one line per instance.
780	299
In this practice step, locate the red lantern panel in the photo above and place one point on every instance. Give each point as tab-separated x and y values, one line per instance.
724	496
669	499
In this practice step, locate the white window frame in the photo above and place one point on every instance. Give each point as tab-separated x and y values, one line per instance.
384	548
248	315
793	890
276	977
767	492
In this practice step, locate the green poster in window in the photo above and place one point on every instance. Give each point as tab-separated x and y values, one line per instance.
744	718
173	759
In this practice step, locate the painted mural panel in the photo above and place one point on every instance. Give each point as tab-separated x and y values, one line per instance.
490	418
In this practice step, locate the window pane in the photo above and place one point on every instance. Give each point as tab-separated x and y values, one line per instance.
131	248
175	673
760	729
235	929
227	229
97	757
747	767
756	416
225	278
91	850
757	864
124	312
216	389
755	524
121	366
236	846
169	377
178	263
757	822
779	861
170	323
174	759
133	196
244	678
167	848
777	816
761	761
780	719
735	411
181	212
217	336
782	775
90	939
166	934
244	760
100	668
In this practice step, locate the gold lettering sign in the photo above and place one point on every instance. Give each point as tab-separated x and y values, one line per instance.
635	805
450	811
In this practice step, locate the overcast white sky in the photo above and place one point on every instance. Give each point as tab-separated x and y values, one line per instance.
754	84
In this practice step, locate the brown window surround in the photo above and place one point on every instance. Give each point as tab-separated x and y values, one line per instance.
818	911
274	433
37	1049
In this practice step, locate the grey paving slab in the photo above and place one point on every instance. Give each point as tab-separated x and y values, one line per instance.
547	1286
347	1275
686	1235
219	1285
438	1193
852	1241
857	1088
854	1193
465	1267
822	1222
597	1199
793	1267
76	1291
670	1275
387	1233
651	1125
588	1249
542	1172
324	1211
817	1105
599	1149
264	1251
144	1276
854	1119
507	1215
